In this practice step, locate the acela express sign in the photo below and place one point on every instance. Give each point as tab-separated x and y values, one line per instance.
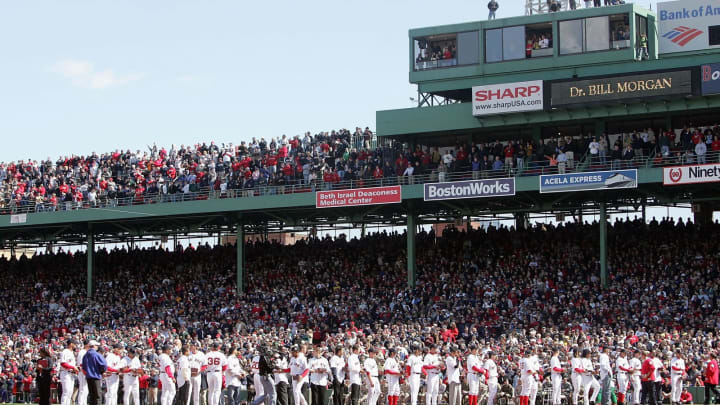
619	88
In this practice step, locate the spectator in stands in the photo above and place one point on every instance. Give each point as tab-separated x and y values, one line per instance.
492	7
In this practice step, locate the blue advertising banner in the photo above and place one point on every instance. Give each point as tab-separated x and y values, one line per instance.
469	189
710	78
607	180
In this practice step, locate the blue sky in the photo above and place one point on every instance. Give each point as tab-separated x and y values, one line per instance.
81	76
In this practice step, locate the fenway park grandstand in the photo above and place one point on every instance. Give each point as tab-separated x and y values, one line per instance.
512	238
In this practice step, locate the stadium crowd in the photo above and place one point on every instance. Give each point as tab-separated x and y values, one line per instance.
328	160
509	294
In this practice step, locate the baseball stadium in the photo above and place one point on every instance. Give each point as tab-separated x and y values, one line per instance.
538	228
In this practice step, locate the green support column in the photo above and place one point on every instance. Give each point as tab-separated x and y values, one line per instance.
411	233
90	254
599	129
603	245
240	265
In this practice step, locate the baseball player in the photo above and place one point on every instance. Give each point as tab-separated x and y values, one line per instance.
131	370
453	367
255	370
677	373
371	371
280	376
216	365
112	377
622	370
556	372
530	371
392	377
299	372
432	366
475	371
337	368
319	375
183	376
67	372
636	367
198	365
491	373
82	394
576	376
167	376
605	374
354	369
413	369
588	379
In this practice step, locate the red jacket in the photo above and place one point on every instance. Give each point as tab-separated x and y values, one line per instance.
647	370
711	372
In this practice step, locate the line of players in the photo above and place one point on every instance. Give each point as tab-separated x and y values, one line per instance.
641	371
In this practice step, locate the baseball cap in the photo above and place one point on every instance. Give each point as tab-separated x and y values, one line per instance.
94	343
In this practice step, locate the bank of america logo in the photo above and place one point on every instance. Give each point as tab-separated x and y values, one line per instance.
682	35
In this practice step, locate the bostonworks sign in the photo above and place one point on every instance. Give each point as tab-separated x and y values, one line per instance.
610	89
710	78
469	189
688	25
674	176
507	98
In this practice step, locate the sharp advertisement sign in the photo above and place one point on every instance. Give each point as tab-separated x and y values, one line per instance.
507	98
688	25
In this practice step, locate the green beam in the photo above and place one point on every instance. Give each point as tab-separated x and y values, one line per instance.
240	264
411	233
603	245
90	259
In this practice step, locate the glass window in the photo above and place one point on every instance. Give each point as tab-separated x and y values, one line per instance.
468	48
620	31
513	43
714	35
597	34
436	51
641	27
493	45
538	40
571	36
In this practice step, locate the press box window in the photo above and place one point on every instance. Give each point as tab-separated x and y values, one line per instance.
594	34
447	50
714	35
520	42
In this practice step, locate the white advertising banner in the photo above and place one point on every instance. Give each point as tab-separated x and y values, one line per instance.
691	174
688	25
507	98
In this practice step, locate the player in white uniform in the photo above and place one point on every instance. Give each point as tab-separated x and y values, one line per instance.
432	366
474	373
413	369
371	372
606	376
233	377
112	377
319	375
82	382
622	371
337	368
280	376
167	376
131	370
68	370
392	377
529	379
636	367
556	373
216	364
183	376
588	379
677	372
452	374
257	383
354	369
576	376
299	372
198	364
491	372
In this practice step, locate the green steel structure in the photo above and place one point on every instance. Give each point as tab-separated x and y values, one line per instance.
485	53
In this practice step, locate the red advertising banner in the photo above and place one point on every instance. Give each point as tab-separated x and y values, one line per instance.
359	196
